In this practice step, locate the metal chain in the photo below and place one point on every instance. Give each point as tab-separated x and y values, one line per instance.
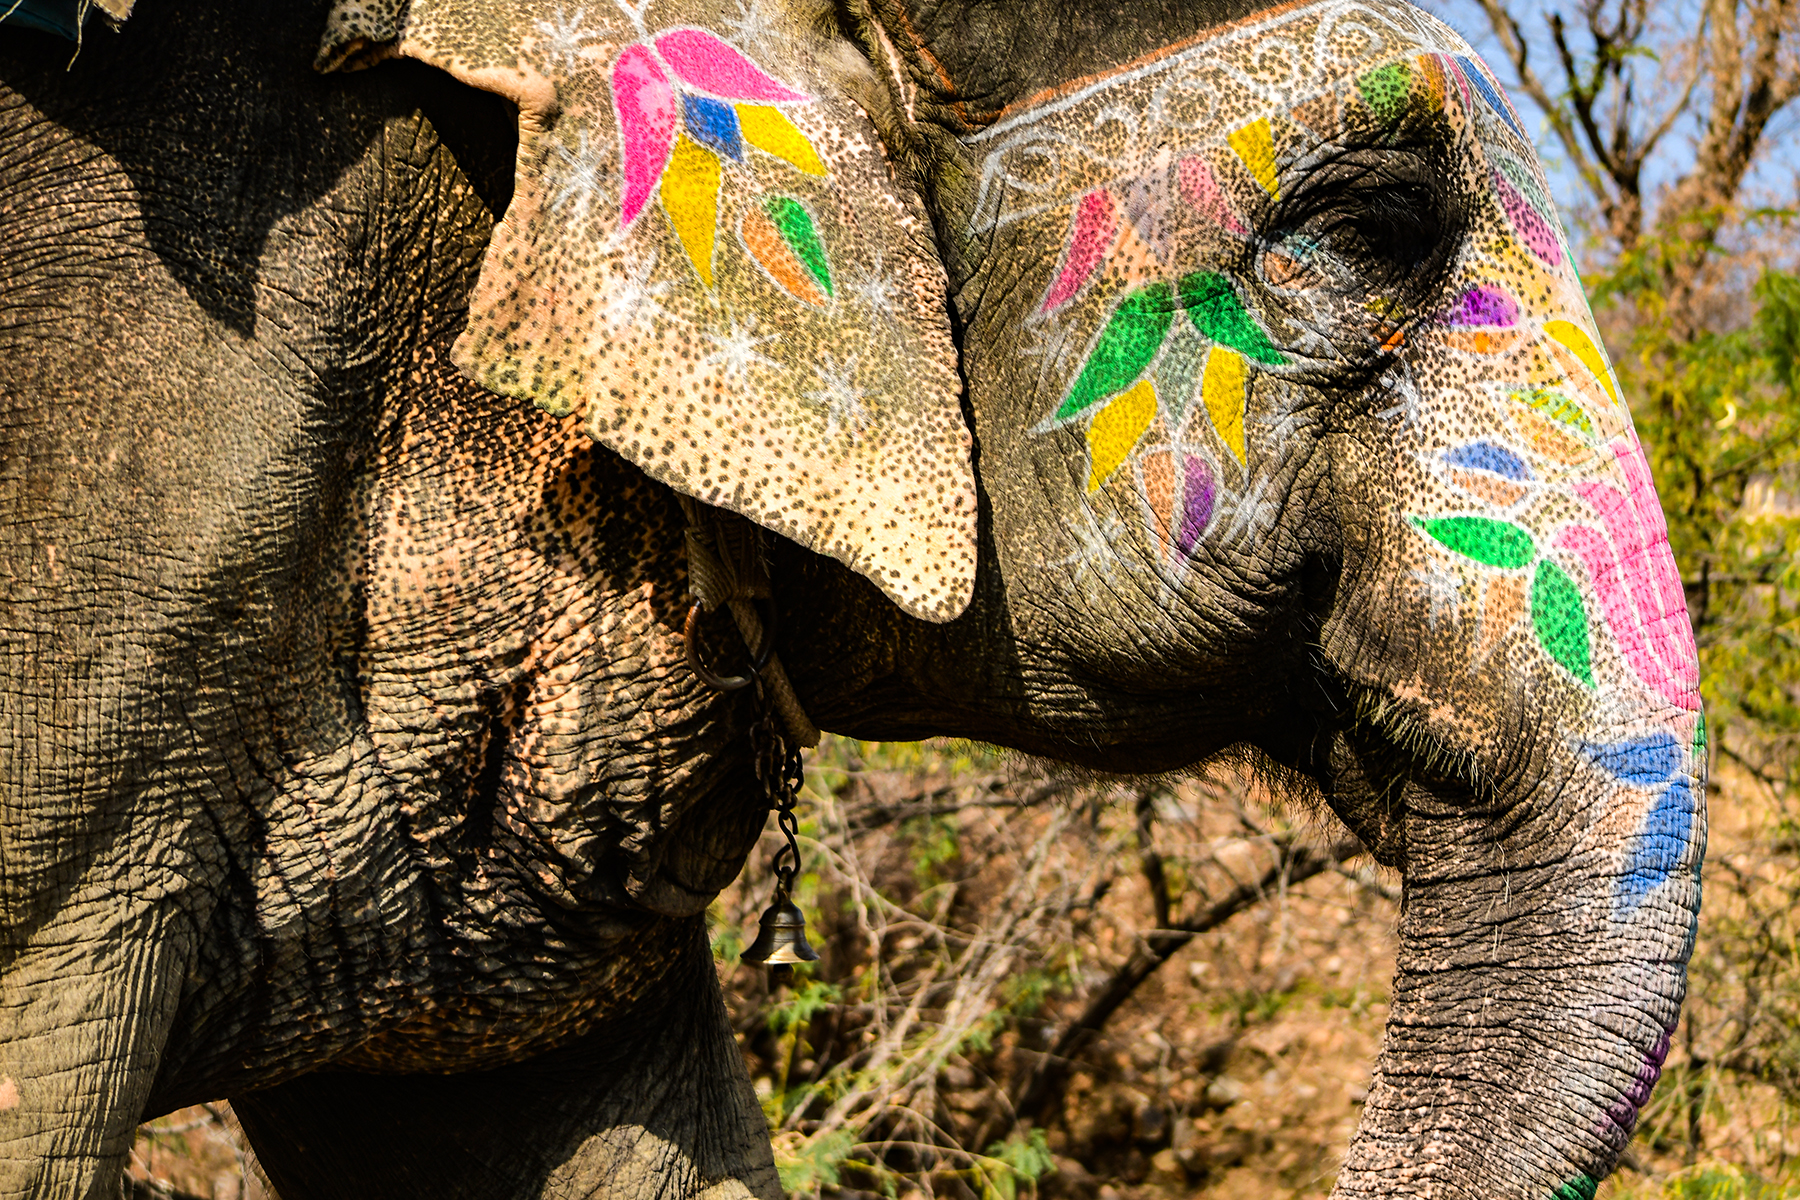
779	769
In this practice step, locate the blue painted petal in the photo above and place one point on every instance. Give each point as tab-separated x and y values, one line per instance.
1486	456
1659	848
1479	81
1644	761
714	124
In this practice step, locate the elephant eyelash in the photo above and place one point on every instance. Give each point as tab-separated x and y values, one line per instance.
1423	753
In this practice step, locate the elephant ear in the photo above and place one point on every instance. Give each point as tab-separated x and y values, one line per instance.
709	257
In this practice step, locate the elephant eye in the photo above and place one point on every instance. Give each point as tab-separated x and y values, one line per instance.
1393	230
1361	231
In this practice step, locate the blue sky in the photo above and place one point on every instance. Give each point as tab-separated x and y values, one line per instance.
1674	25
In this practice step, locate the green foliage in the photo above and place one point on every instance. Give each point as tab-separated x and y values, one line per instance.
1021	1158
1719	417
931	841
803	1003
1712	1183
808	1164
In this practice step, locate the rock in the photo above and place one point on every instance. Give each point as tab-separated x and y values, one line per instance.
1069	1178
1227	1153
1224	1092
1150	1125
1168	1165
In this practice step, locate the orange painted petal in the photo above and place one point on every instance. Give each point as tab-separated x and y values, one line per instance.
772	253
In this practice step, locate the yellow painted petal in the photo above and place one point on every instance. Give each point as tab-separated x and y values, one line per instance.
1575	338
1117	429
1255	144
768	130
690	195
1223	389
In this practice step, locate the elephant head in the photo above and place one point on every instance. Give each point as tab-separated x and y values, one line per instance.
1294	429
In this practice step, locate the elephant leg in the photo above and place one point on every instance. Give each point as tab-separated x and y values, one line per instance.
85	1009
655	1103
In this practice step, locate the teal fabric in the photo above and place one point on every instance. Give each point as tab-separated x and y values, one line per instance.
61	17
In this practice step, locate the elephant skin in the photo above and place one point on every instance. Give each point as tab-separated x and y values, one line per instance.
1120	384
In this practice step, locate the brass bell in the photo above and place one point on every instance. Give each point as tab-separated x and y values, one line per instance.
781	936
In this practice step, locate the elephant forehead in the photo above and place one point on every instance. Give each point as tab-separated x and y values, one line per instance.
1212	90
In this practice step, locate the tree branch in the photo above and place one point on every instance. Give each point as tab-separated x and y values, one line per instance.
1039	1092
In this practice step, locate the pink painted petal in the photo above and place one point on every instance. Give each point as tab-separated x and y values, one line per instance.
645	104
1533	230
1664	595
703	61
1096	225
1201	190
1596	554
1650	515
1631	544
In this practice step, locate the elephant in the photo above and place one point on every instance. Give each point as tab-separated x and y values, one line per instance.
1122	383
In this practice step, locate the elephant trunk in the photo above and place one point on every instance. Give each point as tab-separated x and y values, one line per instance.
1542	964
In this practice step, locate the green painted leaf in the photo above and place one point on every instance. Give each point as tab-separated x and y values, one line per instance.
1126	346
1700	739
1213	306
1386	90
1582	1187
1560	619
796	227
1487	541
1557	407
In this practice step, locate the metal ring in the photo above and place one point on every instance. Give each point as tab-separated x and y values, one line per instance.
729	683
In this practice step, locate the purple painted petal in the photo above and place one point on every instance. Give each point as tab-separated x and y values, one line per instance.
1196	502
1147	208
1482	306
703	61
645	104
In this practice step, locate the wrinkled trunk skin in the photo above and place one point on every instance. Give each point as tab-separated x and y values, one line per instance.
1531	1010
1549	831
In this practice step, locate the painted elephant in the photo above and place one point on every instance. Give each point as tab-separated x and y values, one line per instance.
1120	382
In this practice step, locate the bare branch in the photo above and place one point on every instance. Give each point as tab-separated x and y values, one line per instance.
1041	1088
